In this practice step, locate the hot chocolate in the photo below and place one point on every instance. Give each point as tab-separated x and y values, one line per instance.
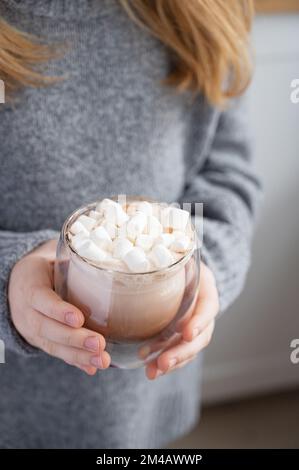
127	269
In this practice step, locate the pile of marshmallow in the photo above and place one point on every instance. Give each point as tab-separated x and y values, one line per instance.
137	237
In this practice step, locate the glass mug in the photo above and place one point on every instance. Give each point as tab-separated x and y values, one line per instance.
139	315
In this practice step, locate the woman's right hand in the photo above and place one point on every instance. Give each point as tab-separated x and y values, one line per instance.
45	320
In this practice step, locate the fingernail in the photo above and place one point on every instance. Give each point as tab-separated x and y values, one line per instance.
172	363
92	343
158	373
71	319
144	352
97	362
195	333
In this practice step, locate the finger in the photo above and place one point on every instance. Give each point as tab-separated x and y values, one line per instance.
74	356
81	338
184	350
206	308
158	345
152	371
46	301
90	370
181	364
204	313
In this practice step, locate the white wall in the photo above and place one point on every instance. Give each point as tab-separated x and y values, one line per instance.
250	351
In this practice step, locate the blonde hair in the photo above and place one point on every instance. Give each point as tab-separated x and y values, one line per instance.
208	41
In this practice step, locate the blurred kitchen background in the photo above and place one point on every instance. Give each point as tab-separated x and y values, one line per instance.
250	385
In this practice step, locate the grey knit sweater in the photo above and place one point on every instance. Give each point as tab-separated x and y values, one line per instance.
110	127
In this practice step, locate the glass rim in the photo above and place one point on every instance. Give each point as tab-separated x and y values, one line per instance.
81	210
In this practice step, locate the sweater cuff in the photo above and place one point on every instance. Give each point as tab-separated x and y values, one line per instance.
13	246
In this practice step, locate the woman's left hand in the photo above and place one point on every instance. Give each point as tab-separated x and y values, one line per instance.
196	334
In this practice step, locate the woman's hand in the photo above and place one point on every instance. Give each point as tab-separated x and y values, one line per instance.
45	320
196	332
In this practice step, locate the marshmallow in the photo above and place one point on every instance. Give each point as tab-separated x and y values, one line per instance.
136	225
121	246
88	222
161	256
130	237
156	209
153	228
180	244
113	212
77	228
174	218
110	228
101	238
140	206
122	232
79	239
144	241
136	260
99	209
95	215
101	206
91	251
165	239
178	233
144	207
131	209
